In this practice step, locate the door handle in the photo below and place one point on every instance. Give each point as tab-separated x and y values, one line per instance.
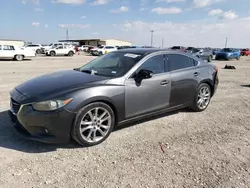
164	82
196	74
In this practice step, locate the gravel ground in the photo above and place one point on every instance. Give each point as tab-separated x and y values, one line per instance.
207	149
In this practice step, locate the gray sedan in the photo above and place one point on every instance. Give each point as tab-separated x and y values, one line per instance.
122	86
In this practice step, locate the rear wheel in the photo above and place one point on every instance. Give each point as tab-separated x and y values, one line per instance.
202	98
70	53
93	124
19	57
238	58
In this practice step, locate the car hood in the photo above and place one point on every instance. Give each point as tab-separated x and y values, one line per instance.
58	82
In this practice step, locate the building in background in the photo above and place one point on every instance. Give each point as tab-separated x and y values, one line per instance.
96	42
12	42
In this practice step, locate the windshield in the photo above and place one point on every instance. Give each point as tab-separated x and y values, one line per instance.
195	50
113	64
226	50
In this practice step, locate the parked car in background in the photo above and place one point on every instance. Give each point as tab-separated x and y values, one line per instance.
215	51
189	49
228	54
87	103
84	47
203	53
54	45
15	52
36	47
245	52
103	50
181	48
61	50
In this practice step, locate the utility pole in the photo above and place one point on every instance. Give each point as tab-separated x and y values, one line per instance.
226	43
152	32
67	34
162	42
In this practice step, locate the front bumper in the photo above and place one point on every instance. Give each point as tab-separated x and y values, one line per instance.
222	57
48	127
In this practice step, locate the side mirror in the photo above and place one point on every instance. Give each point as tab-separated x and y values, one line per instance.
144	74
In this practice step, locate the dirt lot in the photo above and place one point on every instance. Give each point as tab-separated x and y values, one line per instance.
208	149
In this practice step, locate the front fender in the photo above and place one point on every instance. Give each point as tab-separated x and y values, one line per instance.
110	94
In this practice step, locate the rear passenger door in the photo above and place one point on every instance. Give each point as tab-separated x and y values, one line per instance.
184	78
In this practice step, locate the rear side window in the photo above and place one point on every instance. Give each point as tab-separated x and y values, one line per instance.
7	47
177	61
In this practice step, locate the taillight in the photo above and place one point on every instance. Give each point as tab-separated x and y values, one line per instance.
216	68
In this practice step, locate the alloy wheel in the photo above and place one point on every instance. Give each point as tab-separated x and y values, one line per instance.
95	125
204	97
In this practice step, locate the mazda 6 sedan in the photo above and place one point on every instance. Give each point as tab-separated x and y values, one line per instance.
87	102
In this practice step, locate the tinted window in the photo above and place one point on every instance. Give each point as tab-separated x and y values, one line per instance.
7	47
109	47
177	61
155	64
193	61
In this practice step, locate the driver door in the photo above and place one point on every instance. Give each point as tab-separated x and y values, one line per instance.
150	94
60	50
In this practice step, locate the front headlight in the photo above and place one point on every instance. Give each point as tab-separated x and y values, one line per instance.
50	105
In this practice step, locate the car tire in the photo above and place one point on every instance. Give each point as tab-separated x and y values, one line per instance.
87	124
238	58
38	51
209	58
52	53
100	53
18	57
70	53
203	94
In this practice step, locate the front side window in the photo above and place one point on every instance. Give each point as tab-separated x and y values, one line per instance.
177	61
154	64
113	64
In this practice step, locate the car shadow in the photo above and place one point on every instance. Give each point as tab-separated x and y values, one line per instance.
14	60
10	139
246	85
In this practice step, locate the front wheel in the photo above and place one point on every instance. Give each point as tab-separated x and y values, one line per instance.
93	124
18	57
70	53
202	98
238	58
52	53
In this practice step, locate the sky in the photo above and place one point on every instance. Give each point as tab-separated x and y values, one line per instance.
201	23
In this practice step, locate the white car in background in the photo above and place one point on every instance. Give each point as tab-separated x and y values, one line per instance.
84	47
53	45
15	52
62	50
103	50
36	47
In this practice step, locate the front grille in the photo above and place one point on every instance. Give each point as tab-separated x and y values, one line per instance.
15	106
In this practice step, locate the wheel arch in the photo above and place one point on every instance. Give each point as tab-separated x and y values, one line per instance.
210	83
104	100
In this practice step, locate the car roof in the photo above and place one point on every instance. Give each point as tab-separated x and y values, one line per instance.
143	51
147	51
